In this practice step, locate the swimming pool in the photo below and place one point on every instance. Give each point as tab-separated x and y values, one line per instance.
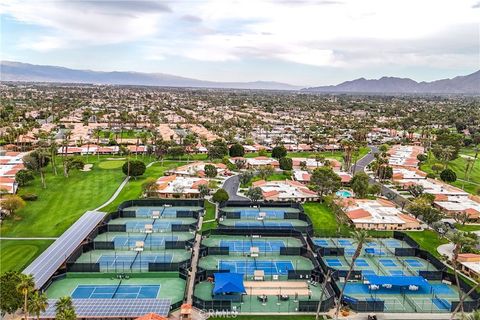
344	193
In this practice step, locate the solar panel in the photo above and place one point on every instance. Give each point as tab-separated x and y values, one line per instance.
113	308
51	259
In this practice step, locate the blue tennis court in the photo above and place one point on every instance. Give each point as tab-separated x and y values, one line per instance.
321	242
261	224
441	304
157	226
244	246
344	242
442	288
133	261
392	243
151	240
361	263
248	267
269	214
349	251
387	262
414	263
116	292
375	251
333	262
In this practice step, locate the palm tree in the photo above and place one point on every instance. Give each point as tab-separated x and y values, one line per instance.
459	240
38	303
25	286
64	309
359	237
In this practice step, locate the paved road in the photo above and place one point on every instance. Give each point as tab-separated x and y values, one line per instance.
365	161
231	186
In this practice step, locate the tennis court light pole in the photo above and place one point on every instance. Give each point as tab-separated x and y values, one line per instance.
324	286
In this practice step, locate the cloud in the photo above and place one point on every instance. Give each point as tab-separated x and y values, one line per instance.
328	33
476	5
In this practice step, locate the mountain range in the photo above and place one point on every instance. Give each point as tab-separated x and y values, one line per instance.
18	71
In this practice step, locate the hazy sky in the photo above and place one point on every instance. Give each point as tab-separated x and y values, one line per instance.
305	42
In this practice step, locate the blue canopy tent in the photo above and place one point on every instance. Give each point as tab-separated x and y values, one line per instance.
398	281
228	284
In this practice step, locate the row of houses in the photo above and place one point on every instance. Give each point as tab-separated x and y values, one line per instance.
10	164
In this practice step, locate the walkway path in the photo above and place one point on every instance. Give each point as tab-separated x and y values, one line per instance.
117	192
194	263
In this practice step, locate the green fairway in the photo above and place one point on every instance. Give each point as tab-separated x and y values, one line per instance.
428	240
63	201
133	189
17	254
471	183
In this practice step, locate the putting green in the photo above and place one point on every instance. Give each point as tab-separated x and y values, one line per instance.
111	164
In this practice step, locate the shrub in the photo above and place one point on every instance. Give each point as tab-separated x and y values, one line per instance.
134	168
279	152
29	196
236	150
422	157
448	175
286	163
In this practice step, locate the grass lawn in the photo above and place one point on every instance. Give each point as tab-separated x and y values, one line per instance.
323	219
209	215
458	165
276	176
63	201
133	189
428	240
17	254
467	227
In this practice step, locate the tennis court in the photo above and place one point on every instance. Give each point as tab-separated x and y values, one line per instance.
245	246
333	262
248	267
261	224
132	261
115	292
162	211
149	240
265	213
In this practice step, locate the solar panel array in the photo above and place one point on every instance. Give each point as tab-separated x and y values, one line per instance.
51	259
113	308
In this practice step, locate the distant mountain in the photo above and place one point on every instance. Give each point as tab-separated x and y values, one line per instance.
17	71
469	84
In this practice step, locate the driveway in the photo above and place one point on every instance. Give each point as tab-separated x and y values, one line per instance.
231	186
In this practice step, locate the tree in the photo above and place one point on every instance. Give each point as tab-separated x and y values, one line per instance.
359	237
360	184
38	303
36	161
23	177
220	196
64	309
286	163
12	299
422	208
325	181
459	240
245	177
448	175
374	189
416	190
422	157
236	150
240	163
218	149
210	171
25	287
437	167
134	168
70	163
149	186
254	193
279	152
203	190
461	217
176	151
13	203
265	171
